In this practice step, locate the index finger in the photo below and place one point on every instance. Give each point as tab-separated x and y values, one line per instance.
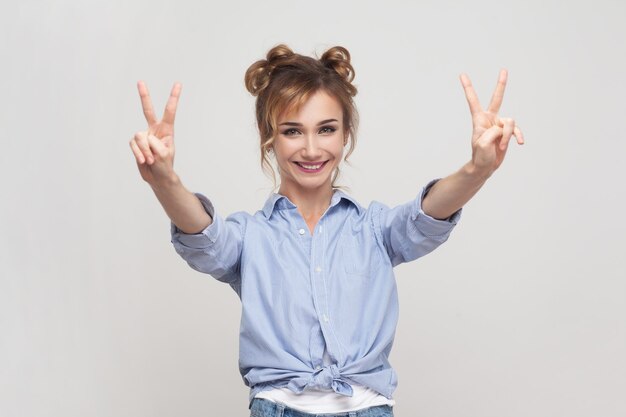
498	94
146	103
170	108
470	94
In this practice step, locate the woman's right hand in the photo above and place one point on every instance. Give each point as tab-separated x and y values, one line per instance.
154	148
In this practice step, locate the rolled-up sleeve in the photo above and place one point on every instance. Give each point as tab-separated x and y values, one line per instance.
408	232
216	250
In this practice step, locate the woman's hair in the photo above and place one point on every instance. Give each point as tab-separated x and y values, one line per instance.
285	80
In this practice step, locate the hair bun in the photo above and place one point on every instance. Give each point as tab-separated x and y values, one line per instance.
279	52
338	59
257	76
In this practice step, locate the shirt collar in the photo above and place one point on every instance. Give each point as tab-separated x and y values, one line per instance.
280	202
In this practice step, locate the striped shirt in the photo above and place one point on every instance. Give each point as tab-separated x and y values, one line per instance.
303	293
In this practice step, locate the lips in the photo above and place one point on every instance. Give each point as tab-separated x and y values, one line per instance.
311	166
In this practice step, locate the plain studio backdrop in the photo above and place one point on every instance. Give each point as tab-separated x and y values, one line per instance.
521	313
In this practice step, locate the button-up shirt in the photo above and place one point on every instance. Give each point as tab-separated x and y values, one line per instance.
303	293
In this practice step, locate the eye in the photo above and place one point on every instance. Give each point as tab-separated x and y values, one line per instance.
330	129
287	132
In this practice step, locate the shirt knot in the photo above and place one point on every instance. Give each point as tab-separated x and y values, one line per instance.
327	377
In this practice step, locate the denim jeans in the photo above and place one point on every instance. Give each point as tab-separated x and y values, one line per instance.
266	408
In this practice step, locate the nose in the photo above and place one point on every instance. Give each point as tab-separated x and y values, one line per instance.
312	149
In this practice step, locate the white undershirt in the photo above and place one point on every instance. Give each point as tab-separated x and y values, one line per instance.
314	400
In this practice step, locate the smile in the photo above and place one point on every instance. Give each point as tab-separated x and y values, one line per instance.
314	167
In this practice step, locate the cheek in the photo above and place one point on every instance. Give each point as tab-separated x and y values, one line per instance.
339	150
285	147
279	150
282	155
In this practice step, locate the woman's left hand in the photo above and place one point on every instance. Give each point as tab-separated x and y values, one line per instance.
491	133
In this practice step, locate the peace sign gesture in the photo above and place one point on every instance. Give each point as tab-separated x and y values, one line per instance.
491	133
154	148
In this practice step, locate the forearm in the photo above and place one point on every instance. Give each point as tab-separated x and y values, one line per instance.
182	206
452	192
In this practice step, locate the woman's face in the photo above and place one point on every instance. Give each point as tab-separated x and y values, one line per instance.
309	145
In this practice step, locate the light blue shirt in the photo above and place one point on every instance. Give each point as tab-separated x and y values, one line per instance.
303	293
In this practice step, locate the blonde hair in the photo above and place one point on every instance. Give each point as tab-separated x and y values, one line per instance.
285	80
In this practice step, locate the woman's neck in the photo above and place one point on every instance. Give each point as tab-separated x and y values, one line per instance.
311	203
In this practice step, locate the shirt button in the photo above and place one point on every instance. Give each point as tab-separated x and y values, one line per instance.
320	229
301	231
325	318
318	269
318	367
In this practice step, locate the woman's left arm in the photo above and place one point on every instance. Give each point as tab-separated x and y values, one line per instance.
490	139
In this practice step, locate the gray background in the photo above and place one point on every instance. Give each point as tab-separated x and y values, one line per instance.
520	313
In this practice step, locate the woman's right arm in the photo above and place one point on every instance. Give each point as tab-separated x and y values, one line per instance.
205	240
154	152
182	206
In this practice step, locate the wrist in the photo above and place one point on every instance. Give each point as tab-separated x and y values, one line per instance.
169	182
476	174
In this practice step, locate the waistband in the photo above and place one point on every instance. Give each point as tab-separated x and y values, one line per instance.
262	407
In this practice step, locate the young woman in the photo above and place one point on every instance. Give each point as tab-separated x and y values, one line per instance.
313	268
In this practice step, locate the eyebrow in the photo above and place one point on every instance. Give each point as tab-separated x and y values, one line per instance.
300	124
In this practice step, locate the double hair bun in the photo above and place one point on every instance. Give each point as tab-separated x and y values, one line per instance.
281	57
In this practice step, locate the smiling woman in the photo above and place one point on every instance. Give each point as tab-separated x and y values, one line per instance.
313	268
294	79
308	158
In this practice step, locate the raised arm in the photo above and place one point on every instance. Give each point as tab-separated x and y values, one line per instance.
490	139
154	152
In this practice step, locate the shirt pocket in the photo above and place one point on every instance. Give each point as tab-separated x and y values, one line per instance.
359	257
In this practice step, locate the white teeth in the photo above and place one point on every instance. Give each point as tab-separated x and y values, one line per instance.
310	166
